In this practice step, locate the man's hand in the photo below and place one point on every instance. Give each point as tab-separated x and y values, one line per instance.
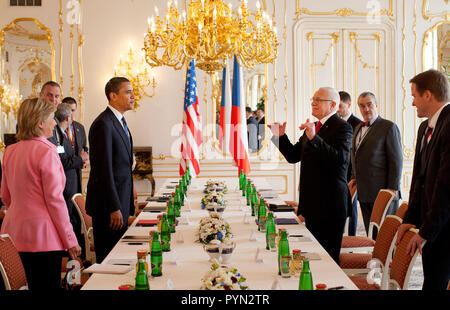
85	157
414	243
402	229
277	130
116	222
301	218
309	128
75	252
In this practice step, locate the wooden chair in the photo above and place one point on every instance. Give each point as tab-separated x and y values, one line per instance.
400	268
11	267
353	190
86	226
402	210
358	263
380	207
403	262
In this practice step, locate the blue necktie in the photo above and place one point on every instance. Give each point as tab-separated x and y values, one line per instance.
125	127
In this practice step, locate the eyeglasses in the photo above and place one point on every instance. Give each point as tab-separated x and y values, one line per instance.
313	99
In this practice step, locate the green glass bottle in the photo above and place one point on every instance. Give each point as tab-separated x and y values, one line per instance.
156	256
283	249
241	178
180	195
165	233
176	202
171	216
141	277
244	185
254	201
249	192
189	177
270	232
184	182
262	213
306	282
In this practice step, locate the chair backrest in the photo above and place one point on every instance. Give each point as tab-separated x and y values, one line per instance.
86	226
402	262
11	267
353	188
380	207
402	210
385	238
80	202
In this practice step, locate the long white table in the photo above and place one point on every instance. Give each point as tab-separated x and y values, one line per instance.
193	261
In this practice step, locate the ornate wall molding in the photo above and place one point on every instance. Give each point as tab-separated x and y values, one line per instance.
344	12
430	16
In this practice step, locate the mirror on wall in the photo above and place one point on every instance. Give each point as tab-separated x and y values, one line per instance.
436	48
27	59
254	86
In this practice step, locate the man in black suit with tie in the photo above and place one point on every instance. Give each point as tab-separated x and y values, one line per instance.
110	187
345	113
261	126
71	163
252	131
324	153
429	198
376	156
77	136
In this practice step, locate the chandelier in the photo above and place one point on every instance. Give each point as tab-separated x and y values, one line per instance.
138	72
210	33
9	99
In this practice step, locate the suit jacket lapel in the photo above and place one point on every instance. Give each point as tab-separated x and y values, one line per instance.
436	132
121	131
370	131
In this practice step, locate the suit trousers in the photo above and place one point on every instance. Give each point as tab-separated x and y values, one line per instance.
329	235
436	261
105	238
366	210
43	269
353	218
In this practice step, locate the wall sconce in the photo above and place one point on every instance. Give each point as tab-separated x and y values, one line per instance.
139	73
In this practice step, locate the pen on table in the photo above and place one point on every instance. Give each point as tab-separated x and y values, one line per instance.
295	235
336	288
135	243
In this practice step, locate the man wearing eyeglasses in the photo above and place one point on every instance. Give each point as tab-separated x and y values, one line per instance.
324	153
376	156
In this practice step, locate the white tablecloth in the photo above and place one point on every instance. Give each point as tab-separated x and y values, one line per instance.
192	262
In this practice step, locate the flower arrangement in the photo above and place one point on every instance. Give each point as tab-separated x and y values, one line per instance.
215	186
213	198
214	229
223	278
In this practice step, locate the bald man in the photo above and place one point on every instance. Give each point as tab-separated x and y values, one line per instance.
324	153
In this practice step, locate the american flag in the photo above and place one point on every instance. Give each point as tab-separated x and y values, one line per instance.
192	133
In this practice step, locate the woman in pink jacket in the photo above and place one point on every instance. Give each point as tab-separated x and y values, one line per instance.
32	190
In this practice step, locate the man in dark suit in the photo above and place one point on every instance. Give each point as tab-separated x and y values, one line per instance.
324	153
376	156
429	198
261	126
110	187
71	163
345	113
252	131
77	136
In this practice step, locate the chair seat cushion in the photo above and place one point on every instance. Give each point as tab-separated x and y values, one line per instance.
362	284
354	260
356	242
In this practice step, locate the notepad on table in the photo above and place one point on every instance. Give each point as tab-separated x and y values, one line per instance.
146	223
108	269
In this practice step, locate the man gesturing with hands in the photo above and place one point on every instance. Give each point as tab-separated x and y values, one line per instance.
324	154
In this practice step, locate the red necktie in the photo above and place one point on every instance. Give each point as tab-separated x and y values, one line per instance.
428	133
365	124
318	125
